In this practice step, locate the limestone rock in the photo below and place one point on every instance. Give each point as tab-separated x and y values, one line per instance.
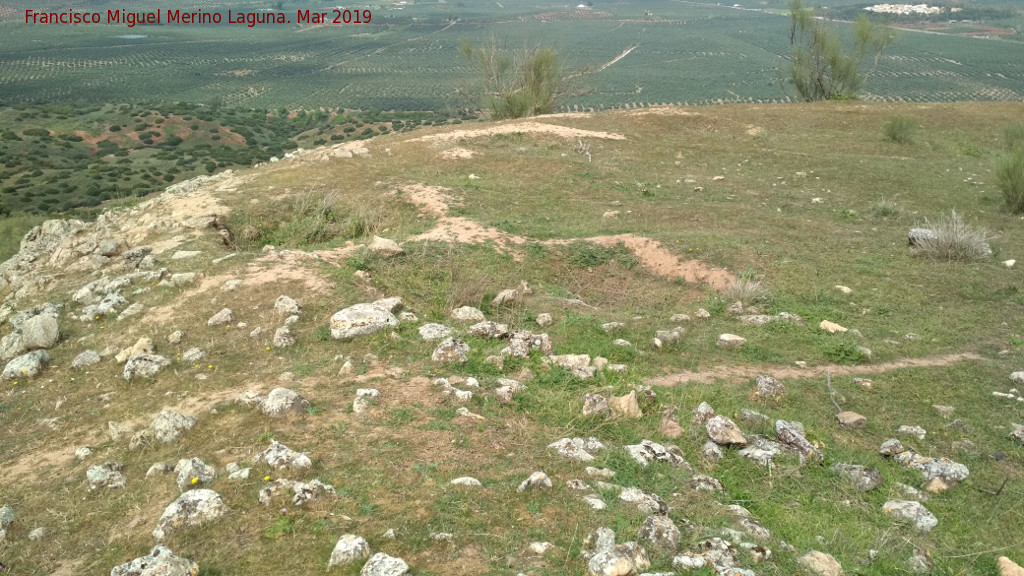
107	475
169	425
648	452
703	483
731	341
159	468
544	319
913	511
1008	567
144	365
361	320
39	331
488	329
622	560
283	338
87	358
141	346
863	478
193	355
451	350
891	447
788	434
159	562
192	508
282	401
434	331
280	456
626	406
507	389
1017	433
467	481
224	317
286	306
384	247
175	337
831	327
820	564
595	404
940	473
724	432
578	364
349	549
711	452
381	564
659	532
852	420
535	480
577	448
769	388
26	365
192	472
702	413
468	314
915	431
669	426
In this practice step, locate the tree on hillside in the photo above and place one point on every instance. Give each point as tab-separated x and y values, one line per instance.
820	68
516	83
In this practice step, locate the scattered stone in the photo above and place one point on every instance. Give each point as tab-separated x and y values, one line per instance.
659	532
703	483
87	358
702	313
730	340
381	564
225	316
702	413
192	508
844	289
169	425
83	452
621	342
286	306
38	534
913	493
820	564
577	448
578	364
863	478
735	308
711	452
891	447
600	473
940	473
913	511
788	434
1018	433
160	562
468	314
831	327
384	247
451	350
626	406
915	431
622	560
302	492
669	426
507	389
1009	263
595	405
434	331
280	456
535	480
283	338
488	329
1017	377
852	420
282	401
647	452
193	471
769	388
724	432
540	548
544	319
193	355
26	365
467	481
361	320
239	474
145	366
349	549
364	399
107	475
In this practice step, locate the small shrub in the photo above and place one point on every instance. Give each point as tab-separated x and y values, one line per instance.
885	209
954	240
1010	177
900	129
746	289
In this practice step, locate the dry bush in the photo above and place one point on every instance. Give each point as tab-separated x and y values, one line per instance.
954	240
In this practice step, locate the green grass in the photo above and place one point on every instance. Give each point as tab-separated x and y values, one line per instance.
392	466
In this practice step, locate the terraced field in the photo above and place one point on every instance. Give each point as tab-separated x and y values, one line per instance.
408	58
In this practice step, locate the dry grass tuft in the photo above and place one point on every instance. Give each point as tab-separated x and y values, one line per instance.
954	240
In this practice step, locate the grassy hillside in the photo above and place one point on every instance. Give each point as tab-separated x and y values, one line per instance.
803	198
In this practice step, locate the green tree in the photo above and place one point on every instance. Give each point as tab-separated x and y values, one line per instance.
516	83
820	67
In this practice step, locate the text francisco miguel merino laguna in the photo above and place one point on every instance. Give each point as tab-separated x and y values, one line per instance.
250	19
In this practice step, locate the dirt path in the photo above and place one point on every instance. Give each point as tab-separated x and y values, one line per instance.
529	127
735	373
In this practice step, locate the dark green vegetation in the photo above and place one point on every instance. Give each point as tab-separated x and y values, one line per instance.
63	158
516	83
1010	168
408	57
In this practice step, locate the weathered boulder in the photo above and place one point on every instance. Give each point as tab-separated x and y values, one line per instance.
659	532
87	358
625	559
192	508
625	406
724	432
468	314
381	564
489	329
349	549
789	435
535	480
863	478
192	472
912	511
577	448
384	247
159	562
169	425
361	320
30	364
107	475
280	456
434	331
41	331
282	401
820	564
648	452
286	306
451	350
225	316
145	366
595	404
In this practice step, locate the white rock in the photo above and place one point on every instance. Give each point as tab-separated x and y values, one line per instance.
349	549
361	320
192	508
466	481
731	340
225	316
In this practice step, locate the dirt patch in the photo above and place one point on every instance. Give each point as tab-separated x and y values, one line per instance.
754	130
528	127
661	262
664	111
737	373
286	266
466	231
456	154
430	200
